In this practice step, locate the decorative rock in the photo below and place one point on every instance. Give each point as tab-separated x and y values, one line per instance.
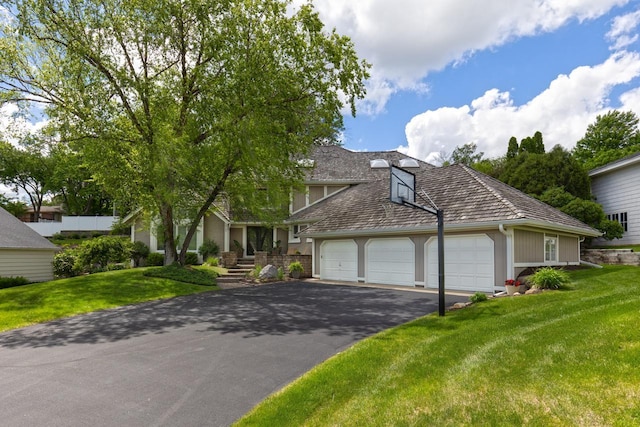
459	305
268	272
533	291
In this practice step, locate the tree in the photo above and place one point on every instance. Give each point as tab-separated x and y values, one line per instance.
513	149
466	154
14	207
612	136
26	169
535	173
530	144
175	103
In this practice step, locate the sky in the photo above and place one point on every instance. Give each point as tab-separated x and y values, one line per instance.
450	72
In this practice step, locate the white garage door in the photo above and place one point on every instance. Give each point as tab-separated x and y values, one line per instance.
468	266
339	260
391	261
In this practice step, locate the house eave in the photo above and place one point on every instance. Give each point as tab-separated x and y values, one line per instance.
615	165
451	228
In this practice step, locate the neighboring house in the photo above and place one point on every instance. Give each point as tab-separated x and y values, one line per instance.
616	186
47	214
23	252
346	221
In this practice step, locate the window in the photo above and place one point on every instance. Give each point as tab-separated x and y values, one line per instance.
179	233
294	230
623	221
550	248
620	218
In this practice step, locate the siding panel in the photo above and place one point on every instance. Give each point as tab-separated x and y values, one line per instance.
529	246
36	266
569	251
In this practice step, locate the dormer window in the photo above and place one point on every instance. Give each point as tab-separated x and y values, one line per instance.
379	164
409	163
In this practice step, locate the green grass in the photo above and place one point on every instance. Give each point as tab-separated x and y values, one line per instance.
196	276
561	358
40	302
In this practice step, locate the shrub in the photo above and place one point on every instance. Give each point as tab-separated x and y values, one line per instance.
208	249
10	282
183	274
255	272
103	250
155	259
478	297
280	273
549	278
139	251
212	261
191	258
65	263
296	266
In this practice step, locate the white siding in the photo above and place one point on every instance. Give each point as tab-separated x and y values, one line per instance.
619	191
34	265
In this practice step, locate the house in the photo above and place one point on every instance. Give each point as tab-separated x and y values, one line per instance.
47	214
346	222
23	252
616	186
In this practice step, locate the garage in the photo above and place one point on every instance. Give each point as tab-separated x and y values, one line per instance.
390	261
339	260
469	263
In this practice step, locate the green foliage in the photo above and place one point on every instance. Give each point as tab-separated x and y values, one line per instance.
549	278
296	266
255	271
280	273
466	154
103	250
13	206
139	252
191	258
10	282
212	261
183	274
612	136
513	149
556	197
610	229
532	145
65	263
478	297
213	97
155	259
208	249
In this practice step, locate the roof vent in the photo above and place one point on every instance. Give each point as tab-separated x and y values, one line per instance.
379	164
409	163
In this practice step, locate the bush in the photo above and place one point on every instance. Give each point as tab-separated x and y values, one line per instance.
139	252
280	273
155	259
101	251
296	266
65	263
10	282
183	274
212	261
208	249
549	278
191	258
478	297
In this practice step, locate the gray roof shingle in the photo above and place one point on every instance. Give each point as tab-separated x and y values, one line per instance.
467	197
14	234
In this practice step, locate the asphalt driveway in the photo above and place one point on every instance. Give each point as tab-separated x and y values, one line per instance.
199	360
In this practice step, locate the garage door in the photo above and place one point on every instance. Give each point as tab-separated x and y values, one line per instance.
391	261
468	266
339	260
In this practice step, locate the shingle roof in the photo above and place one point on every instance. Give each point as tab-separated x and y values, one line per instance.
467	197
14	234
336	164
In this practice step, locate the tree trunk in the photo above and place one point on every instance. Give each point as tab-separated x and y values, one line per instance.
166	216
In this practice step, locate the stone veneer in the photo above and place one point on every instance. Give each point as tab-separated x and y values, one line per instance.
263	259
611	256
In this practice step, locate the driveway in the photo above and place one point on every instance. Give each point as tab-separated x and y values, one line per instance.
199	360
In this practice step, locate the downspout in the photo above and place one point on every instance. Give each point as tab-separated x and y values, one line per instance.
509	235
587	263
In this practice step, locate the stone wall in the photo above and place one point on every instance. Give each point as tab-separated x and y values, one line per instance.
611	256
263	259
229	259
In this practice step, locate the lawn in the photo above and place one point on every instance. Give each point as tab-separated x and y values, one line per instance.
40	302
561	358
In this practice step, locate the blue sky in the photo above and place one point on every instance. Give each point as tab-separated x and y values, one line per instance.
449	72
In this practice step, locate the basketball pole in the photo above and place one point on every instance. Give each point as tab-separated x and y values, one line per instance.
441	300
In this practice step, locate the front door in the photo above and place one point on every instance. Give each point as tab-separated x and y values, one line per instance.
259	239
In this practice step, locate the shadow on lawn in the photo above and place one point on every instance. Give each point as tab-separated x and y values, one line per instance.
277	309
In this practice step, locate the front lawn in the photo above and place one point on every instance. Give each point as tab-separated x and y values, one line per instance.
561	358
40	302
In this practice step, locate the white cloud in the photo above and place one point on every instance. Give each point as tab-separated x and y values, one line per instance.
407	39
561	112
621	29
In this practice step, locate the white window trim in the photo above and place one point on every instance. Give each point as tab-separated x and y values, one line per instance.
556	244
153	239
292	234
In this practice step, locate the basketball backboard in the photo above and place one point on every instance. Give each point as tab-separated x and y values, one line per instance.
403	186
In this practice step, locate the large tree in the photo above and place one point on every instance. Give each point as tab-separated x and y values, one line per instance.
466	154
175	102
612	136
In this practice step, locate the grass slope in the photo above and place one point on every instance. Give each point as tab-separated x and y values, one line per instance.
559	358
40	302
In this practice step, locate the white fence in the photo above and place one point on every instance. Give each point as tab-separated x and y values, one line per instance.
74	224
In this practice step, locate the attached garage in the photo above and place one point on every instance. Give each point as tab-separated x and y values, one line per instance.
339	260
390	261
469	263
